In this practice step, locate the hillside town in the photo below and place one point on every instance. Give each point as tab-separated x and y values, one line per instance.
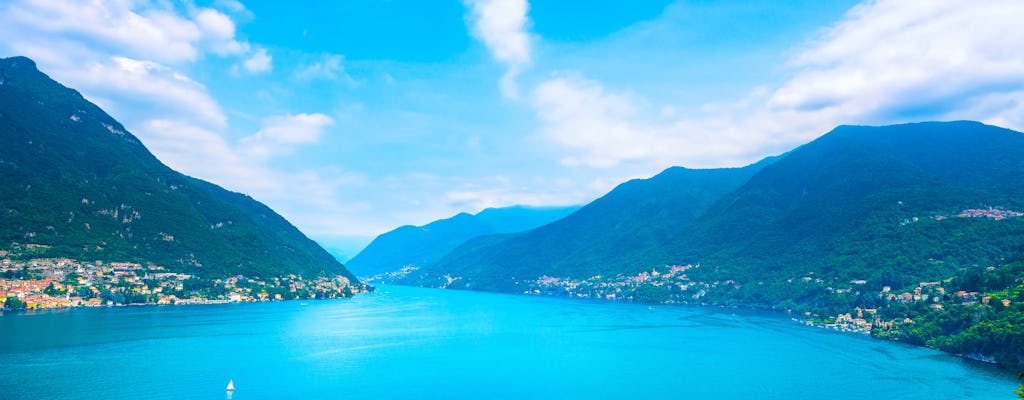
63	282
991	212
669	285
673	285
393	276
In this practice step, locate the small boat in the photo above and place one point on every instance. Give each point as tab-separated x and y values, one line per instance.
231	385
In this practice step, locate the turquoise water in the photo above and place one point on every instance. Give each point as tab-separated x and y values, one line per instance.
426	343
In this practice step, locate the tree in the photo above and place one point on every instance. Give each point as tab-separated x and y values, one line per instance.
70	279
14	303
1020	388
53	291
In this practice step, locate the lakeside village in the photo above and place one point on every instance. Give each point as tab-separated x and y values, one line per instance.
62	283
673	285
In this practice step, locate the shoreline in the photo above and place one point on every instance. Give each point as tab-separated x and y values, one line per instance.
984	360
4	310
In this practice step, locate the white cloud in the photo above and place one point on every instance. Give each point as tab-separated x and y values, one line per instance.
134	29
303	196
452	194
281	133
608	128
502	25
891	55
578	113
477	197
219	32
886	61
155	89
129	56
235	8
259	62
329	66
294	129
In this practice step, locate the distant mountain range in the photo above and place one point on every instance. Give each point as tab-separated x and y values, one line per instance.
424	245
835	206
76	183
908	232
622	231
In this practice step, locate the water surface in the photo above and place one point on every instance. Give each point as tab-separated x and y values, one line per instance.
405	342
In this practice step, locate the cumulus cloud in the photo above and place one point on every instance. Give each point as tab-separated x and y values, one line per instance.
890	57
886	61
281	133
502	25
133	28
219	32
259	62
126	55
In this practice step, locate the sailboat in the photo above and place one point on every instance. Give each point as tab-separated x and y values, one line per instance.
231	385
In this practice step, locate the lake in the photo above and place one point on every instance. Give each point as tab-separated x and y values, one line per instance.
403	342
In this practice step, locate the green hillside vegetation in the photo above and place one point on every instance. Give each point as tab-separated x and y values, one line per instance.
621	232
979	331
77	184
860	203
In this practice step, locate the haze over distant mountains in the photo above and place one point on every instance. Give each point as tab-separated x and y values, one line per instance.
77	184
423	245
609	235
857	203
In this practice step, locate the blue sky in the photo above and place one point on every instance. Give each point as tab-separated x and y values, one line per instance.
351	118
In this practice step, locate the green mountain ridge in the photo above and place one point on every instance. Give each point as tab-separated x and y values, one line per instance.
77	184
423	245
833	206
620	232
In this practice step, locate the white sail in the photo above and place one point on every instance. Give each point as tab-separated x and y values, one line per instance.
231	385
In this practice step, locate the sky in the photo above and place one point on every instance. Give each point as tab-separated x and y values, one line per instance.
351	118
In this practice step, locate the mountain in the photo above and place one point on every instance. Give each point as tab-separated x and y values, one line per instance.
423	245
857	203
77	184
623	231
861	203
